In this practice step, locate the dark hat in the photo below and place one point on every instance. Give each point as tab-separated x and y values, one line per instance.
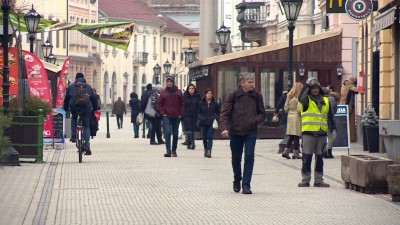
315	82
171	78
79	75
149	87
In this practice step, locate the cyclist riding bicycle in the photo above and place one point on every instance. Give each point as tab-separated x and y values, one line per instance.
85	110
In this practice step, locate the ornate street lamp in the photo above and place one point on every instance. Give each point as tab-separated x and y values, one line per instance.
32	19
47	49
339	70
292	10
52	58
167	67
189	55
302	70
223	35
10	155
157	71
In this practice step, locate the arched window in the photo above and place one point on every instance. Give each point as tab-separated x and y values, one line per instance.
134	83
144	82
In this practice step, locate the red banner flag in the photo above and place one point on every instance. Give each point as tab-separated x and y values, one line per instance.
13	76
39	86
62	84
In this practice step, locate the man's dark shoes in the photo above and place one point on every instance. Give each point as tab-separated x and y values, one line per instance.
168	154
161	142
88	152
174	154
154	143
246	190
73	139
236	186
304	184
322	184
184	143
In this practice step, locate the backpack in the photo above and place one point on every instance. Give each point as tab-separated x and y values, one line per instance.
80	96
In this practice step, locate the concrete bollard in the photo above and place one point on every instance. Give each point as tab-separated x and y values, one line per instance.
393	180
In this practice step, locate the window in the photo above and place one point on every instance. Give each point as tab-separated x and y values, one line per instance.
65	38
154	45
144	43
173	45
134	44
57	39
164	44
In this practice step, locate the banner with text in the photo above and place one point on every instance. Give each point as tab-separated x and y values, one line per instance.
39	86
62	84
13	76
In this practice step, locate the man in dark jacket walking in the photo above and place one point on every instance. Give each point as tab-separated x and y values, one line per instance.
242	112
143	103
119	109
171	106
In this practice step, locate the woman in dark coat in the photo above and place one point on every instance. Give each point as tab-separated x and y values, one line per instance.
192	99
209	110
135	109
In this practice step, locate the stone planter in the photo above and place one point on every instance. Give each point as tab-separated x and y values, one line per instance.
367	174
390	131
393	180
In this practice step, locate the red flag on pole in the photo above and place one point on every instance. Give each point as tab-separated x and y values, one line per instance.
62	84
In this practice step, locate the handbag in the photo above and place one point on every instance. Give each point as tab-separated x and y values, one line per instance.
139	119
275	118
149	109
215	124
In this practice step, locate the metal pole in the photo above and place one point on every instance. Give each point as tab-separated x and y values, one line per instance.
10	155
31	39
108	126
290	71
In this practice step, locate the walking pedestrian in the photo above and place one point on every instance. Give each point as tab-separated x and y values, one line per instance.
279	106
119	109
97	97
156	120
171	106
293	129
192	99
208	112
333	98
316	119
134	103
242	112
143	103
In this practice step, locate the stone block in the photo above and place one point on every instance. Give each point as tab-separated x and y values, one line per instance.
393	180
365	173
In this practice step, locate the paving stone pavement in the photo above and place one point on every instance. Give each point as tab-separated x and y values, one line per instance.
128	181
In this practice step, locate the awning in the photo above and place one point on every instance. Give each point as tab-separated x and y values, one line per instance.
385	19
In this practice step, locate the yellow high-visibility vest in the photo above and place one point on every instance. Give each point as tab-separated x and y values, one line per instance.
313	119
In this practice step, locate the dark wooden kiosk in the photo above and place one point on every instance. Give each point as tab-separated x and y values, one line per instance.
320	54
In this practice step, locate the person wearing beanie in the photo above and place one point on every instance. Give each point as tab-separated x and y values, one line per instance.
156	121
316	121
171	106
143	103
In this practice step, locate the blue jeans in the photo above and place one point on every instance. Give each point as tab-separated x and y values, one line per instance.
136	129
237	143
171	126
85	122
208	133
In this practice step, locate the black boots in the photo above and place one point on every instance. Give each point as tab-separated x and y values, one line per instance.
190	140
207	153
328	154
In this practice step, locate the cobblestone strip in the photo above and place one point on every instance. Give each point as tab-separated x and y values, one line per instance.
43	207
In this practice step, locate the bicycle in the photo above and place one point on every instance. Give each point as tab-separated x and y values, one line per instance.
80	139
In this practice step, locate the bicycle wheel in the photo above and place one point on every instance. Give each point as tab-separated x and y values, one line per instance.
80	145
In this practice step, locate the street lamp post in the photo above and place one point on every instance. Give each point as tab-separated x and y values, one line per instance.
52	58
157	71
32	19
10	155
292	10
223	35
167	67
189	58
47	49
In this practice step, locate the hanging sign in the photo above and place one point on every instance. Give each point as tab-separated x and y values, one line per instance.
360	82
62	84
13	75
358	9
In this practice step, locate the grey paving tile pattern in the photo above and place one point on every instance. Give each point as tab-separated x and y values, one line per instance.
127	181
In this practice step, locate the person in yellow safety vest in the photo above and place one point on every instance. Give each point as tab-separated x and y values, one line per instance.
316	120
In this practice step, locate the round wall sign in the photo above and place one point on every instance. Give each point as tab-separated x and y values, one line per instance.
358	9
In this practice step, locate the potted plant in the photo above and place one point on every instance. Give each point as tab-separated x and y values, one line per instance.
26	132
370	124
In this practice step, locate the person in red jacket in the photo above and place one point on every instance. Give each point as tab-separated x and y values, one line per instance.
171	106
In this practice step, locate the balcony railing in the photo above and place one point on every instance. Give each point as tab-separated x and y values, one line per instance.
140	57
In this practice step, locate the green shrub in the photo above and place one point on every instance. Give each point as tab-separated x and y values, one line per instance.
369	118
5	121
31	106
